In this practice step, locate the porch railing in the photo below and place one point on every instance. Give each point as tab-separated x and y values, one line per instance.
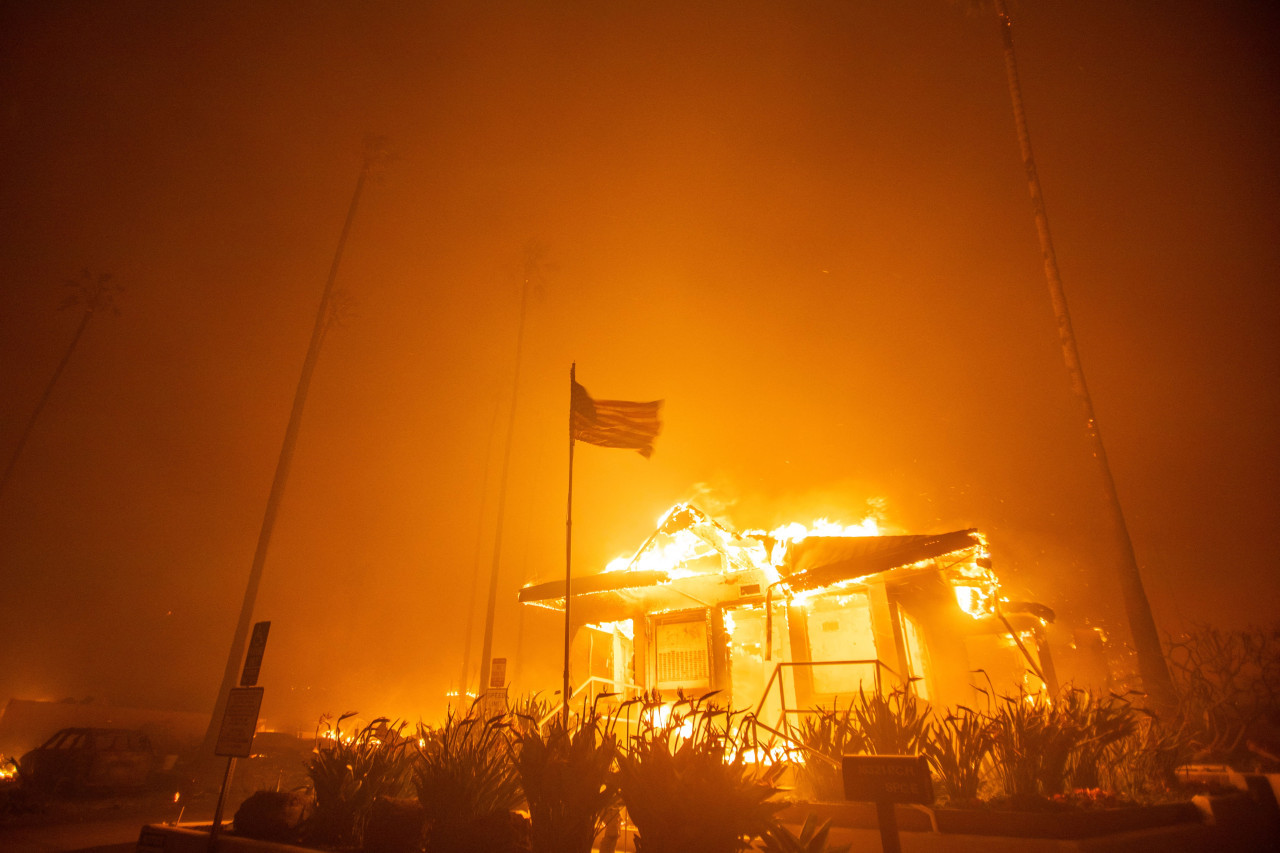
593	689
786	710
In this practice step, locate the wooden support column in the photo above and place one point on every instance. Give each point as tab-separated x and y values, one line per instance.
887	630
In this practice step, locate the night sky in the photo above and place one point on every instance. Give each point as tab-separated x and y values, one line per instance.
805	225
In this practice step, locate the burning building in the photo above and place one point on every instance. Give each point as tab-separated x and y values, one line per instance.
781	621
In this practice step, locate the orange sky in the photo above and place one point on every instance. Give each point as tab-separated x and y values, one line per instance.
804	225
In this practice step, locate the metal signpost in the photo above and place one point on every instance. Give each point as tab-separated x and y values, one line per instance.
493	701
240	720
886	780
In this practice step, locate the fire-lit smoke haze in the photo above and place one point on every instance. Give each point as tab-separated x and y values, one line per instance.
805	225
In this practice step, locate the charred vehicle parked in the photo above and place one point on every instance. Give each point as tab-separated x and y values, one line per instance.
91	759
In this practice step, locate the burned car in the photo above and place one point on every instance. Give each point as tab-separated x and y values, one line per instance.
91	759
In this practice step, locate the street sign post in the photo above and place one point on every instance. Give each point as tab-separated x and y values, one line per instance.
253	658
886	780
240	720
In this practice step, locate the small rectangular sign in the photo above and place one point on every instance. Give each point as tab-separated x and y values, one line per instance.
239	722
253	659
887	779
493	703
498	673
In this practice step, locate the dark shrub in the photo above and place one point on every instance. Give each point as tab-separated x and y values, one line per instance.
272	815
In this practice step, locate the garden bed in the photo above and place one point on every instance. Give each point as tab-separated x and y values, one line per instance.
1075	823
1232	822
194	838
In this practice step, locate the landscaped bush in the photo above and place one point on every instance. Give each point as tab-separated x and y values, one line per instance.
1024	749
1228	685
468	785
826	734
958	747
687	786
566	775
1143	766
686	776
876	725
1102	722
348	772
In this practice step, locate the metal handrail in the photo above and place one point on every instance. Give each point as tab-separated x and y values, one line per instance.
582	688
876	663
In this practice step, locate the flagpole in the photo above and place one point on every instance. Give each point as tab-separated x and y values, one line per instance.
568	550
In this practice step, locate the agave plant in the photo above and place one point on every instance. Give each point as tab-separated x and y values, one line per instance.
467	784
1031	745
687	787
349	771
892	725
567	782
1102	721
812	838
831	733
958	748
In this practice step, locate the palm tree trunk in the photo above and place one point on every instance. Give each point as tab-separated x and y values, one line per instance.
486	646
44	398
465	676
244	624
1146	641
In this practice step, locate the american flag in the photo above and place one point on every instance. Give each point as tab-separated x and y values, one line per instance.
614	423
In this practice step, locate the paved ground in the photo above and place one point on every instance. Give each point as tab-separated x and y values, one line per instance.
101	825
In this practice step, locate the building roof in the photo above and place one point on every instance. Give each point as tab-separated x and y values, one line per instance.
820	561
742	572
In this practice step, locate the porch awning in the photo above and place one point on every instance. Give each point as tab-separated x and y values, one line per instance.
825	560
604	582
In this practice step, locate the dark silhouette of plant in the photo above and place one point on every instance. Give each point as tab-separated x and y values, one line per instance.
832	733
1228	685
958	747
812	838
467	784
567	783
893	724
1143	766
1031	745
687	786
1103	721
350	771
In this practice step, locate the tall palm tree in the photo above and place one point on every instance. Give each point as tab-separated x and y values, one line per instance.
1152	667
374	155
96	294
534	266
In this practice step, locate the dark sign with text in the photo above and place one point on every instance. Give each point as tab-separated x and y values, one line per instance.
887	779
253	659
239	722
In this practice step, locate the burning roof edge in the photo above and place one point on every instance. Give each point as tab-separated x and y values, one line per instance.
825	560
814	562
